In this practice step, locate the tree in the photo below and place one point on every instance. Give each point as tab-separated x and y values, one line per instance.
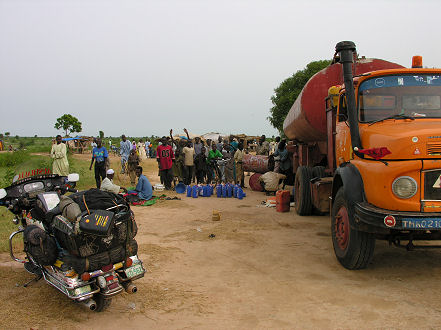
288	91
101	133
69	124
7	134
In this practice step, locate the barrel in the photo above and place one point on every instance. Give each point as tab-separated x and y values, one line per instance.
255	182
282	201
306	120
257	163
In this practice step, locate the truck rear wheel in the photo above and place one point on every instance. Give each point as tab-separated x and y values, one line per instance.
302	190
354	249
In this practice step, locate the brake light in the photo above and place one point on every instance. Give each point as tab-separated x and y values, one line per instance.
85	276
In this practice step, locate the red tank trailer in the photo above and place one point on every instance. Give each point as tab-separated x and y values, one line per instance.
306	121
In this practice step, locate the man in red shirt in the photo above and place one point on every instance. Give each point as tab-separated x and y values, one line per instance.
165	157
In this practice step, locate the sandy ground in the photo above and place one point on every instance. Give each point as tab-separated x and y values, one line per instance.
262	269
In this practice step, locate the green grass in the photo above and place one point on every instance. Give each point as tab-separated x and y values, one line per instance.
87	177
6	228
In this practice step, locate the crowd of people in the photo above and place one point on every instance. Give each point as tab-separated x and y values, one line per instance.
196	161
179	160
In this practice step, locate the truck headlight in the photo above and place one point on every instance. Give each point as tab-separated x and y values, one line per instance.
404	187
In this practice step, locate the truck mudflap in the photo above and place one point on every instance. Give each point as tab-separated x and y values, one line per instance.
372	219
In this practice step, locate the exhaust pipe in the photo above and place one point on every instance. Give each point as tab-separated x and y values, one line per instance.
90	304
346	49
130	287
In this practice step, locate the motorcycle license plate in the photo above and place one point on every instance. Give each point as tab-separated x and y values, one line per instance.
81	290
134	271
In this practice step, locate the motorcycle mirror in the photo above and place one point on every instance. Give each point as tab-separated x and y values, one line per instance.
3	193
73	177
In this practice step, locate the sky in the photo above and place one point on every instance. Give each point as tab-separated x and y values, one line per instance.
141	68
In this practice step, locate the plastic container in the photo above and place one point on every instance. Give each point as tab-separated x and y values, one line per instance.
224	191
240	193
235	191
219	191
229	191
188	191
195	191
180	188
159	187
282	200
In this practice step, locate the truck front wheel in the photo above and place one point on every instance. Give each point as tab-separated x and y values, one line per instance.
354	249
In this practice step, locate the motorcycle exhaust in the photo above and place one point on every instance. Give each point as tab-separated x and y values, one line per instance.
130	288
90	304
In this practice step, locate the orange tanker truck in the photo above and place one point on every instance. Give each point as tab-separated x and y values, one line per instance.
366	141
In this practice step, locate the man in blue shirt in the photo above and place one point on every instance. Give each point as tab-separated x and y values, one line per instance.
143	188
99	156
125	147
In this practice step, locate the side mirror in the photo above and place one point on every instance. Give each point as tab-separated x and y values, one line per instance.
3	193
73	177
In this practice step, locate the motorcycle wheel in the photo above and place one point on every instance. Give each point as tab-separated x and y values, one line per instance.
102	303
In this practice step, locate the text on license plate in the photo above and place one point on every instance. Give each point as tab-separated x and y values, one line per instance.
421	223
134	271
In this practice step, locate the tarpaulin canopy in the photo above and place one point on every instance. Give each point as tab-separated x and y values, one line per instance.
75	138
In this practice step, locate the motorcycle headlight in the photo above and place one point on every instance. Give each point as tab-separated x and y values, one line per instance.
404	187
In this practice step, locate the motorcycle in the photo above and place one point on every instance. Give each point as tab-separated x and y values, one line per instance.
82	244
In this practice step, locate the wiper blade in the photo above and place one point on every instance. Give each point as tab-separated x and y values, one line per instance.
396	116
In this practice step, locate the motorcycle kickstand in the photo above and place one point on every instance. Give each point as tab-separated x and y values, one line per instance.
35	279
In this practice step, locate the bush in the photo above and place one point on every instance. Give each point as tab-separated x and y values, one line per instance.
12	159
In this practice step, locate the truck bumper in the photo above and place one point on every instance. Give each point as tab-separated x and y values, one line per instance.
381	221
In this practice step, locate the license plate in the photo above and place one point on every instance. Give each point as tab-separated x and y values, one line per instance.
134	271
81	290
421	223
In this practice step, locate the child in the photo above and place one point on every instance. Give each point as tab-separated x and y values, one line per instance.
200	163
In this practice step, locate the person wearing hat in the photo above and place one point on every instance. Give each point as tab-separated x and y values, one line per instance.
108	185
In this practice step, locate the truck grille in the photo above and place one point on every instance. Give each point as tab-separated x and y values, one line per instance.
434	148
432	186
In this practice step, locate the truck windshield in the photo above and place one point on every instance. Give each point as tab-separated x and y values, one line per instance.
400	97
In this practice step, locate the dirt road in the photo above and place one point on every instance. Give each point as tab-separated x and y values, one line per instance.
262	269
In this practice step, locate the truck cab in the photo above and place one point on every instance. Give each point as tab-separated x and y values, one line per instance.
388	163
379	160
